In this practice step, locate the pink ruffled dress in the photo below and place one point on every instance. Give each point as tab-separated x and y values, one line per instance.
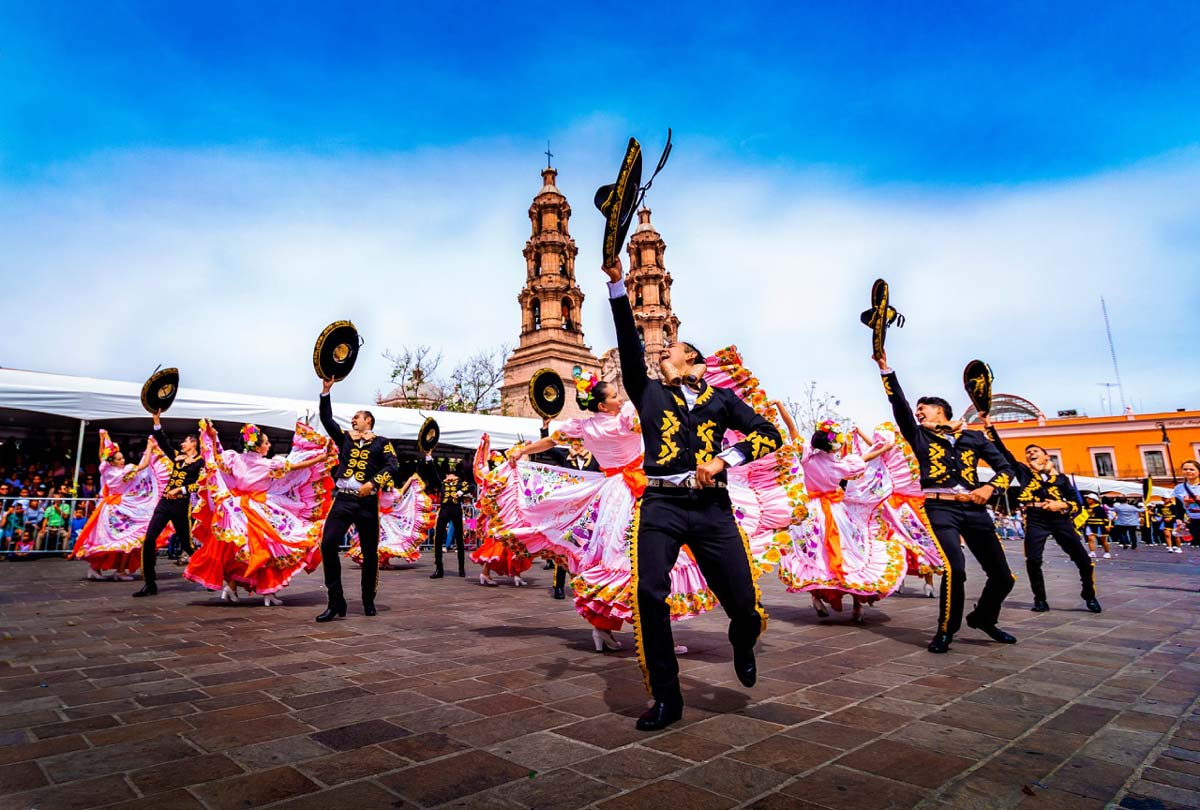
405	518
113	534
259	520
903	512
584	519
837	551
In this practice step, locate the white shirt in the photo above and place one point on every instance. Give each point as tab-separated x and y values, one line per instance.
732	456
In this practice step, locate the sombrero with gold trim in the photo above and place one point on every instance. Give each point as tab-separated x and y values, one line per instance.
547	394
880	316
336	350
617	201
977	379
429	435
159	391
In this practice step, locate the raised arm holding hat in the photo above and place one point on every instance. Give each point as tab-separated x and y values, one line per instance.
954	502
366	464
174	508
1051	506
686	501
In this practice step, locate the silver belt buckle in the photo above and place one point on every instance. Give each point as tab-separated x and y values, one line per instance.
690	482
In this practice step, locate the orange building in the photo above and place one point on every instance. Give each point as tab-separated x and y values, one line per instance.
1130	446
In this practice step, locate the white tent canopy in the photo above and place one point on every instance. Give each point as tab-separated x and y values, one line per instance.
93	399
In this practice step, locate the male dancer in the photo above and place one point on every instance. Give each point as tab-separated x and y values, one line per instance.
1051	505
686	501
457	486
954	503
366	464
174	506
572	458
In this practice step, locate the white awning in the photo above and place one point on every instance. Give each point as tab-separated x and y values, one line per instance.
95	399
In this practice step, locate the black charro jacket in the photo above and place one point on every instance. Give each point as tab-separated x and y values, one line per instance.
678	439
947	460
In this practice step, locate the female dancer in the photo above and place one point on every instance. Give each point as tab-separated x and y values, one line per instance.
584	520
112	536
837	552
904	510
260	518
495	557
405	518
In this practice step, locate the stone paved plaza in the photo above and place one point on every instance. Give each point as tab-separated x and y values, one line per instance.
458	695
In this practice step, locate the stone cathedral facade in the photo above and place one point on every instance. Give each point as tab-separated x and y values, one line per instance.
551	302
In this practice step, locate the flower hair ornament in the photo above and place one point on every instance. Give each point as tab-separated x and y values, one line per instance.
252	436
833	432
585	383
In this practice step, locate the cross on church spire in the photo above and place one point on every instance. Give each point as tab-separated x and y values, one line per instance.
548	154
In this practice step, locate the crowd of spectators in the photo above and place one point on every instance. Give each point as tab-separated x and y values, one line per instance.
36	512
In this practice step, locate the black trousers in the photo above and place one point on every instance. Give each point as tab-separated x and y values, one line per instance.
169	510
363	514
704	521
951	520
1194	529
1041	527
560	576
449	513
1126	535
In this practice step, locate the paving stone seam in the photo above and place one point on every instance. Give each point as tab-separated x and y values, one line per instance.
951	783
1155	752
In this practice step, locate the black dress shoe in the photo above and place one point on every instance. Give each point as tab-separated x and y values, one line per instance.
438	574
559	593
744	667
149	589
333	611
994	632
1040	606
549	566
1093	605
659	716
462	573
369	609
941	643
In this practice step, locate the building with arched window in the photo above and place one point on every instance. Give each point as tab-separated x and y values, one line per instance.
551	303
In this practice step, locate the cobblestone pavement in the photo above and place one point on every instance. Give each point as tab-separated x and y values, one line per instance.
458	695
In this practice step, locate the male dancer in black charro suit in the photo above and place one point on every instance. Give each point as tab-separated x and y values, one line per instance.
954	501
174	507
1051	506
366	464
686	501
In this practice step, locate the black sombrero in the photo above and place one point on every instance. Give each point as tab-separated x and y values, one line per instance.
547	394
429	435
617	201
159	391
977	379
880	316
336	351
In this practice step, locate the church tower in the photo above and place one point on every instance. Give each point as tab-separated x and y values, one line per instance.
649	287
551	305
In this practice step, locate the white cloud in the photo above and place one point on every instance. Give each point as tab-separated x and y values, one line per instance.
228	264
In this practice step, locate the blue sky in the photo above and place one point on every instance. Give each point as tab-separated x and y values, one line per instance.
214	148
912	91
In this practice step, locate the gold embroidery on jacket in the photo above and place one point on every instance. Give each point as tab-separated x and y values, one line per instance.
670	426
705	433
